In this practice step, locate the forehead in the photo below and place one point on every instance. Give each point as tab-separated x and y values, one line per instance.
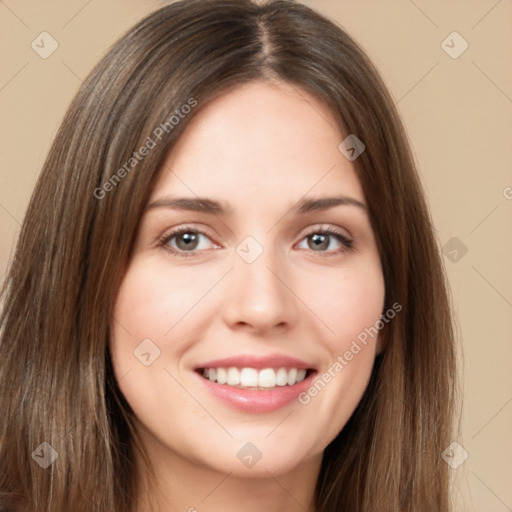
260	139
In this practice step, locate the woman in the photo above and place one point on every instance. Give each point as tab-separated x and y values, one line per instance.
227	286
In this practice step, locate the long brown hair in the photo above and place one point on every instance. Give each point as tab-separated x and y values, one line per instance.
56	379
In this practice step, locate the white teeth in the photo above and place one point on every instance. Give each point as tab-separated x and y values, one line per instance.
267	378
251	378
233	377
282	377
292	376
222	376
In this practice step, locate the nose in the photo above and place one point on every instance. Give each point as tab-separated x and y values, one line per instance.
260	297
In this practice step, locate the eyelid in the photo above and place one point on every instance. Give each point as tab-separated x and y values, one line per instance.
327	228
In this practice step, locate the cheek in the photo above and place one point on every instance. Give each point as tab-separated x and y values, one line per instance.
152	327
160	312
144	312
347	303
152	301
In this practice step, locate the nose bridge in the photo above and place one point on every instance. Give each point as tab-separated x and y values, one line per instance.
258	279
258	297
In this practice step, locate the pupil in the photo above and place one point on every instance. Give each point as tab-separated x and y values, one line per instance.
319	241
187	241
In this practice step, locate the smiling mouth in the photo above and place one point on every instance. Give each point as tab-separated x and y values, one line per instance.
251	378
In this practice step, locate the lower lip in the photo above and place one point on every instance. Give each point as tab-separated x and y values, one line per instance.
250	400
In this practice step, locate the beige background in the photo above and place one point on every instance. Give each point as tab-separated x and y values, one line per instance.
459	117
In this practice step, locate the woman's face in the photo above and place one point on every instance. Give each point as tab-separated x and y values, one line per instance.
255	263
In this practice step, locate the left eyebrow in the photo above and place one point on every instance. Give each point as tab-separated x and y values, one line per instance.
325	203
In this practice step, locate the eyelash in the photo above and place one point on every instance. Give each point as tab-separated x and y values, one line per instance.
348	244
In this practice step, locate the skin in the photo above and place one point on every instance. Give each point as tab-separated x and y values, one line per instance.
258	149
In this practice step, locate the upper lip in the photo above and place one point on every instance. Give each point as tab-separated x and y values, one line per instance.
257	362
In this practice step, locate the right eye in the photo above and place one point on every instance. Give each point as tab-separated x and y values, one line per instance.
186	242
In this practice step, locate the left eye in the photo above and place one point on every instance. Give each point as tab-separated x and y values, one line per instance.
323	241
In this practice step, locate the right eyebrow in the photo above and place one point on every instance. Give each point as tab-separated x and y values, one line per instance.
199	204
